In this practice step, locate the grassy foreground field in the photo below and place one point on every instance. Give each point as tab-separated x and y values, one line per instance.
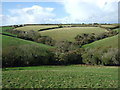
35	28
74	76
70	33
104	43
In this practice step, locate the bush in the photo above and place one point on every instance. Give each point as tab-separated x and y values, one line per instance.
46	40
111	57
71	57
31	35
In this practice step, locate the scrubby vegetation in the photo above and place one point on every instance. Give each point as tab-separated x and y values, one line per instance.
108	56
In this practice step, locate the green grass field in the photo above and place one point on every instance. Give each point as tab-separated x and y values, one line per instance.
8	41
5	28
35	28
75	76
70	33
104	43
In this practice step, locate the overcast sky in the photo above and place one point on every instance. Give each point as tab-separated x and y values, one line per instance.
66	11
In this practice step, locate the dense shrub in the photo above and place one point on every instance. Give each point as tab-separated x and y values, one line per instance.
111	57
70	57
25	55
107	56
46	40
84	39
31	35
92	56
65	46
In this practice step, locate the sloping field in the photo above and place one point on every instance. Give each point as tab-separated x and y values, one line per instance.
75	76
70	33
104	43
5	28
117	29
8	41
35	28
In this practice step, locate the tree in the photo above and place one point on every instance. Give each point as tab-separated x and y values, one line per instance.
46	40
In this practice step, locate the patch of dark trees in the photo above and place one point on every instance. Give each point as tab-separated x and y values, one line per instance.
64	53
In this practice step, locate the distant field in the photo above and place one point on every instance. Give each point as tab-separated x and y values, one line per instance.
75	76
109	26
35	28
107	42
70	33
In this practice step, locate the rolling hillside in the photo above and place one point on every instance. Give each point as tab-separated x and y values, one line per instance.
70	33
10	42
104	43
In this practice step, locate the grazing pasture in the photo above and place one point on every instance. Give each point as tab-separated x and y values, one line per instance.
35	27
104	43
75	76
70	33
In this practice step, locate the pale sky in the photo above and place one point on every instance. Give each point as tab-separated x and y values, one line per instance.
56	11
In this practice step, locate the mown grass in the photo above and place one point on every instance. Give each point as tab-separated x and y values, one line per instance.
35	28
70	33
104	43
74	76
